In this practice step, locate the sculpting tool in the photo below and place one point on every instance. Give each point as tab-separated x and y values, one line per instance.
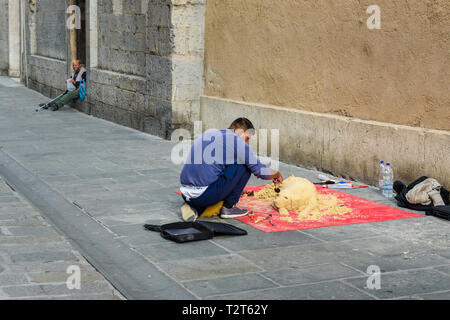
346	185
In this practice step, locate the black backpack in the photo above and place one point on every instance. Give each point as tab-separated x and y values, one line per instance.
442	212
401	189
194	231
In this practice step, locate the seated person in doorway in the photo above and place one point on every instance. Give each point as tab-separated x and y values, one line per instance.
217	169
78	74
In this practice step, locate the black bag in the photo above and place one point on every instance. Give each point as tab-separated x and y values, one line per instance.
194	231
442	212
402	190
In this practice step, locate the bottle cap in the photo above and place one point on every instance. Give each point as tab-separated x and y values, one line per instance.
388	164
381	161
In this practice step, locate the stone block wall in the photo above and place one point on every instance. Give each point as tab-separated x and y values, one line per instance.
122	38
4	44
117	89
47	46
46	75
149	66
158	120
50	31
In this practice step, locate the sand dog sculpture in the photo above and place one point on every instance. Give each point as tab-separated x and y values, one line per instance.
299	195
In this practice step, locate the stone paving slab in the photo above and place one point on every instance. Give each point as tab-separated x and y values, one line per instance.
306	275
319	291
402	284
435	296
227	285
262	240
444	269
345	232
35	257
122	179
209	267
398	262
173	251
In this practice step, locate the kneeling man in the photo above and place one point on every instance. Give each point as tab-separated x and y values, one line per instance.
218	167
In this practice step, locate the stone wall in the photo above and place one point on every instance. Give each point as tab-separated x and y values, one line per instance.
4	44
47	46
50	31
117	89
46	75
149	63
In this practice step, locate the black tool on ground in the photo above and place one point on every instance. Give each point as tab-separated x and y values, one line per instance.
194	231
325	182
47	104
442	212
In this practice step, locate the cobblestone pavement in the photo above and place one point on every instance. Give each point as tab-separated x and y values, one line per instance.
35	260
120	179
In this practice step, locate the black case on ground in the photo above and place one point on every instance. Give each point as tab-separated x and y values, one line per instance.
194	231
223	229
442	212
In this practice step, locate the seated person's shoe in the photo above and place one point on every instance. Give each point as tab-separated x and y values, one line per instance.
233	212
188	213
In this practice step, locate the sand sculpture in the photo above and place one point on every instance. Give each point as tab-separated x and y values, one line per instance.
299	195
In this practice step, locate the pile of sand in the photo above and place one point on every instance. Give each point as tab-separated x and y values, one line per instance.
299	195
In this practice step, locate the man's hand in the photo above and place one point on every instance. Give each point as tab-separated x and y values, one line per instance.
278	179
275	176
73	81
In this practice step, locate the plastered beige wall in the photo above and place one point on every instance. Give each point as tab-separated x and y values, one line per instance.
318	55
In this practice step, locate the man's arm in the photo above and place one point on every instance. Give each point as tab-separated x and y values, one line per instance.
246	155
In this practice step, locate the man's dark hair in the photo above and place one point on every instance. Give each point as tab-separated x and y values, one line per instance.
242	123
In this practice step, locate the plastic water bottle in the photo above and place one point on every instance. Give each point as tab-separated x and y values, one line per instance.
388	181
381	176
